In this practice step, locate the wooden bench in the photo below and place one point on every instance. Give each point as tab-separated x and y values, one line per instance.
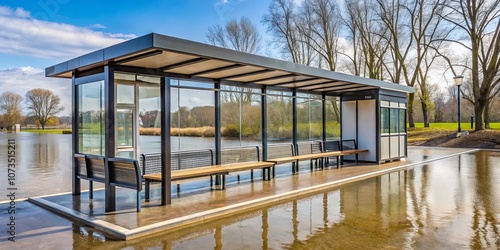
200	163
346	147
126	173
286	153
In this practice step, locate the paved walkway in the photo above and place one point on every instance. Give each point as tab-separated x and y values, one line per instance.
198	205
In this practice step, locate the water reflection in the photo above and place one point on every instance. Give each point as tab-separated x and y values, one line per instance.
451	203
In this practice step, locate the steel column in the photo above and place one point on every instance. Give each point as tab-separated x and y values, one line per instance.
75	181
166	153
109	123
263	107
323	115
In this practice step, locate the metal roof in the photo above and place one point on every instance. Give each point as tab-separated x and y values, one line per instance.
170	56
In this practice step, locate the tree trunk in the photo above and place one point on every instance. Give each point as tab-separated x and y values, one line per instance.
486	116
411	98
425	113
478	112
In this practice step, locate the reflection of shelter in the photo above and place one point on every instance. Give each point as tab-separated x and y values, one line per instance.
111	82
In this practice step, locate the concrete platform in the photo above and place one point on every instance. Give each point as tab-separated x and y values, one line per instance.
198	205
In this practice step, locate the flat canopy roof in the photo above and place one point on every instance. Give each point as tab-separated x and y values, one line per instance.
157	54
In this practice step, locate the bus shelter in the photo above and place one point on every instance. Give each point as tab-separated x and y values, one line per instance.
109	84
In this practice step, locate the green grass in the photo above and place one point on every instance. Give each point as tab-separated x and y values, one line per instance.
453	125
46	131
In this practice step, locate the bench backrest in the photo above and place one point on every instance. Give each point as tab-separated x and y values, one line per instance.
192	159
151	163
81	166
240	154
125	173
316	147
349	144
331	146
279	150
303	148
95	168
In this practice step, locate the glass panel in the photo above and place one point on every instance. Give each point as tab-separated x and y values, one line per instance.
149	119
124	128
384	120
193	119
394	120
240	117
309	119
122	76
279	118
402	121
125	94
196	84
332	118
91	118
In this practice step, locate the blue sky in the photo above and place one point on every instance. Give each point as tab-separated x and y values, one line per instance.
37	34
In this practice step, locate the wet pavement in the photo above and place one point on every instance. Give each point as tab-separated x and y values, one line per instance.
37	225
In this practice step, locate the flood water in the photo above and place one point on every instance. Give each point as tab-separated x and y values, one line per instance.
45	159
453	203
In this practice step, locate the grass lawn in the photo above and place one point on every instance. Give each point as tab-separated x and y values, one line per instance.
46	131
419	133
452	125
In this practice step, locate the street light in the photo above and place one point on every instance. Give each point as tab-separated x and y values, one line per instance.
458	82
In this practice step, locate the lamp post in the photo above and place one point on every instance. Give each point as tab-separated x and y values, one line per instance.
458	82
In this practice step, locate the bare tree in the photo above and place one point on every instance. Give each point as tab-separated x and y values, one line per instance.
415	30
479	20
239	35
319	23
10	104
282	21
43	104
368	38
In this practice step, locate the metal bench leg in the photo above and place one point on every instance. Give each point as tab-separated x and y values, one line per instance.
146	190
223	184
178	188
138	201
274	171
338	161
91	190
211	182
251	175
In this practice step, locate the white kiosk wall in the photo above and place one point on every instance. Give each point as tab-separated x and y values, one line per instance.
367	129
365	133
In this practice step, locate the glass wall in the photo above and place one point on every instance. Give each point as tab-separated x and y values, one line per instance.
192	115
91	118
332	118
149	119
309	117
279	117
240	116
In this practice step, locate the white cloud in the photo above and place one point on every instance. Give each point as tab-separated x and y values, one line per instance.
21	34
96	26
24	79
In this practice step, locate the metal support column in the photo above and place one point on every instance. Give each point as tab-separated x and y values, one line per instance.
166	153
218	124
75	181
295	166
109	124
323	116
263	107
294	119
